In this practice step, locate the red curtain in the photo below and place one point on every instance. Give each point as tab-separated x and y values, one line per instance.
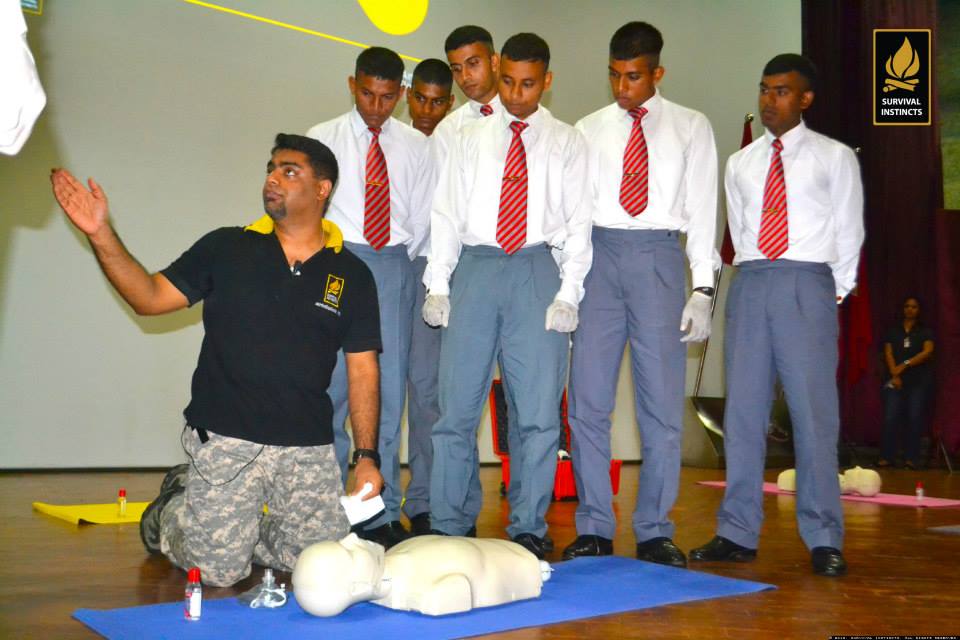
903	188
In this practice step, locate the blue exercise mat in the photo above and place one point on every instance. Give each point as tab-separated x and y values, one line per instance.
581	588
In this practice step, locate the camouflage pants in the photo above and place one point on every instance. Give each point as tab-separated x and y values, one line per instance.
218	523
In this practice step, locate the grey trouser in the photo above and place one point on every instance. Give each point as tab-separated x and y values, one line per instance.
218	523
423	405
499	302
393	273
782	321
634	291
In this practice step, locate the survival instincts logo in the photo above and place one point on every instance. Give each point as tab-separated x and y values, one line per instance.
333	291
901	76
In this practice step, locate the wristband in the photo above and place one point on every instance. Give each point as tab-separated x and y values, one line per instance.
367	453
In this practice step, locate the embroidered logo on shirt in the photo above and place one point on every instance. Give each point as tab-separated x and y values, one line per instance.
333	290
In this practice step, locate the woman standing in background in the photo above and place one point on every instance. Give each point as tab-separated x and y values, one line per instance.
907	350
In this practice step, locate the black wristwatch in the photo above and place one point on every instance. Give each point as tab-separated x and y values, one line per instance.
707	291
367	453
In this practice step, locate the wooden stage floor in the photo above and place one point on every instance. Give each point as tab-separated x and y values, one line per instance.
903	578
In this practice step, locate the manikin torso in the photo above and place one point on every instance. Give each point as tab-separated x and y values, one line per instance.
435	575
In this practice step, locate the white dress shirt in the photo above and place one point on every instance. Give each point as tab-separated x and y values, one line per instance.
682	177
467	202
21	94
450	127
409	165
824	201
446	132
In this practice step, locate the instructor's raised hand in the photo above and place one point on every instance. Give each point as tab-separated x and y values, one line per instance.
86	208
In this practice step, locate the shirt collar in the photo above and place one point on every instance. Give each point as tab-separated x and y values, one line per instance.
360	127
535	120
653	104
790	139
495	103
333	237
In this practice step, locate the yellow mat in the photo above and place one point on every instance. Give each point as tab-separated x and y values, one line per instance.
93	513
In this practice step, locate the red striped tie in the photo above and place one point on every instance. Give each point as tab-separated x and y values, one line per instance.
512	221
376	219
633	186
773	221
486	110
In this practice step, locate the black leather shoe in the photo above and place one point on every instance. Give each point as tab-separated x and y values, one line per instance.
547	543
174	483
420	524
662	551
530	542
388	534
828	561
722	550
588	545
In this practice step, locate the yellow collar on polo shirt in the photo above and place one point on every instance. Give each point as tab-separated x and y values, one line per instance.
332	233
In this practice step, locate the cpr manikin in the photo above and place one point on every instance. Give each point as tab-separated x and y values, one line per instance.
864	482
435	575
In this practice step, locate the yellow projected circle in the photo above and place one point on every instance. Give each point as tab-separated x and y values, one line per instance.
396	17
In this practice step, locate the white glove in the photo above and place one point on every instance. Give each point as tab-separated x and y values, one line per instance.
695	320
562	317
436	310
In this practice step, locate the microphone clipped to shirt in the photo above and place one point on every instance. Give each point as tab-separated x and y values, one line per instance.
295	269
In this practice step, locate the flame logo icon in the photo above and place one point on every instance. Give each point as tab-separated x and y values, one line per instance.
901	67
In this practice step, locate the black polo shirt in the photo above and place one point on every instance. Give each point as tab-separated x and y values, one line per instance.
271	335
907	345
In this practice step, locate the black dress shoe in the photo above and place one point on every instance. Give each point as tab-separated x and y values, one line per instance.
588	545
547	543
828	561
530	542
722	550
420	524
388	534
662	551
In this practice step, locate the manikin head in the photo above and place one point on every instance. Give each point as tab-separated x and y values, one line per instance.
330	576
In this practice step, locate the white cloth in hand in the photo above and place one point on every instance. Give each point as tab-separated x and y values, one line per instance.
695	320
436	310
561	316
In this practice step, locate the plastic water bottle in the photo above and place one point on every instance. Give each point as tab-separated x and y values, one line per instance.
919	491
193	596
122	502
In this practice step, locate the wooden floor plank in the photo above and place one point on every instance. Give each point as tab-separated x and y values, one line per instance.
903	578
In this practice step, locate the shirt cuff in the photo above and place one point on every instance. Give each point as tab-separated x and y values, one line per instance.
438	287
569	293
702	276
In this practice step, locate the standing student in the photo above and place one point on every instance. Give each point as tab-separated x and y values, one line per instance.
428	100
492	280
382	206
795	209
653	177
475	65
